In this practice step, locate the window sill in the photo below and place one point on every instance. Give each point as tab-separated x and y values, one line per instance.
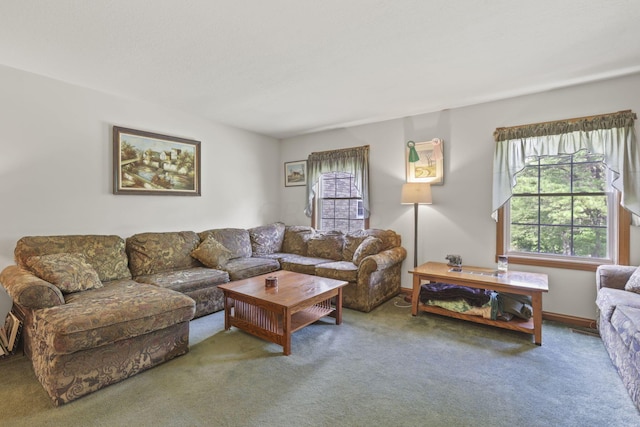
577	264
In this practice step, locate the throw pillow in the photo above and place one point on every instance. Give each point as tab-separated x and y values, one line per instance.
68	272
212	253
369	246
633	284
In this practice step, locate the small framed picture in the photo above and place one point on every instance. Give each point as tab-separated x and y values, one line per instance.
295	173
429	165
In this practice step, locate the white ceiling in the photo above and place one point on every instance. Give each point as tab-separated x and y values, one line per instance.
287	67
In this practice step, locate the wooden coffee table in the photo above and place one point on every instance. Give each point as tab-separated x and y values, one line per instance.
514	282
274	314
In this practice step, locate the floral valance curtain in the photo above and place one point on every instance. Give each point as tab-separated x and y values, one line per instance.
611	135
351	160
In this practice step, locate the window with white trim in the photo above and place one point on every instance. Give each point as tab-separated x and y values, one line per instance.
339	205
562	207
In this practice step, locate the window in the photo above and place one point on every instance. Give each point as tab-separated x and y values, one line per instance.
338	189
559	190
339	205
562	207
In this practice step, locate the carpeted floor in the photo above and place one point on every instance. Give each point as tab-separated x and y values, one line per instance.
384	368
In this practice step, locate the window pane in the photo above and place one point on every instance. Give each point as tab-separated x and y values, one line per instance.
356	224
327	224
328	188
555	210
590	210
524	238
342	225
591	242
557	179
342	208
555	240
328	208
587	177
524	210
527	181
343	188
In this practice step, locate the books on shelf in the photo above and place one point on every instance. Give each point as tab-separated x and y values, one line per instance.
9	334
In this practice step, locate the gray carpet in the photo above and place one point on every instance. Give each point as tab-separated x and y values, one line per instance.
384	368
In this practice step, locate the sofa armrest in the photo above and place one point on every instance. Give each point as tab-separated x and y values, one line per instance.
613	276
382	260
28	290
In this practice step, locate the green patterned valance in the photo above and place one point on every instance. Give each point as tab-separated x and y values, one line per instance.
605	121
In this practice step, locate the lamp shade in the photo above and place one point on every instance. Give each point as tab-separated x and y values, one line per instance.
413	193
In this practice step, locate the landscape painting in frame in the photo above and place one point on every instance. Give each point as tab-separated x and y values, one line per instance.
295	173
430	166
150	163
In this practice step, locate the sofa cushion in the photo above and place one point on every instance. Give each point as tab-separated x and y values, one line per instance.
187	280
626	321
151	253
68	272
302	264
211	253
106	254
296	239
267	239
242	268
351	242
237	240
633	284
369	246
390	239
339	270
326	245
609	298
117	311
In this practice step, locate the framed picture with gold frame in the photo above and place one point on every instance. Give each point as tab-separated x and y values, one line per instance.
425	162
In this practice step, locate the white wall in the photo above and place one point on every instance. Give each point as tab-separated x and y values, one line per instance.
56	166
459	220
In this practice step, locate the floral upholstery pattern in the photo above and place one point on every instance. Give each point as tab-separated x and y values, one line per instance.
106	254
97	317
237	240
68	272
633	284
326	245
301	264
369	246
267	239
296	239
351	242
66	377
28	290
151	253
619	323
242	268
211	253
83	341
338	270
187	280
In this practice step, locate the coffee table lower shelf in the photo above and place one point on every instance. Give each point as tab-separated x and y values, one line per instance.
269	323
515	324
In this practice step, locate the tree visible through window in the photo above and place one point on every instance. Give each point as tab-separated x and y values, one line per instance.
340	203
561	206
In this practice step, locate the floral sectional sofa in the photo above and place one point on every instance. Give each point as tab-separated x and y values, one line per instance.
98	309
